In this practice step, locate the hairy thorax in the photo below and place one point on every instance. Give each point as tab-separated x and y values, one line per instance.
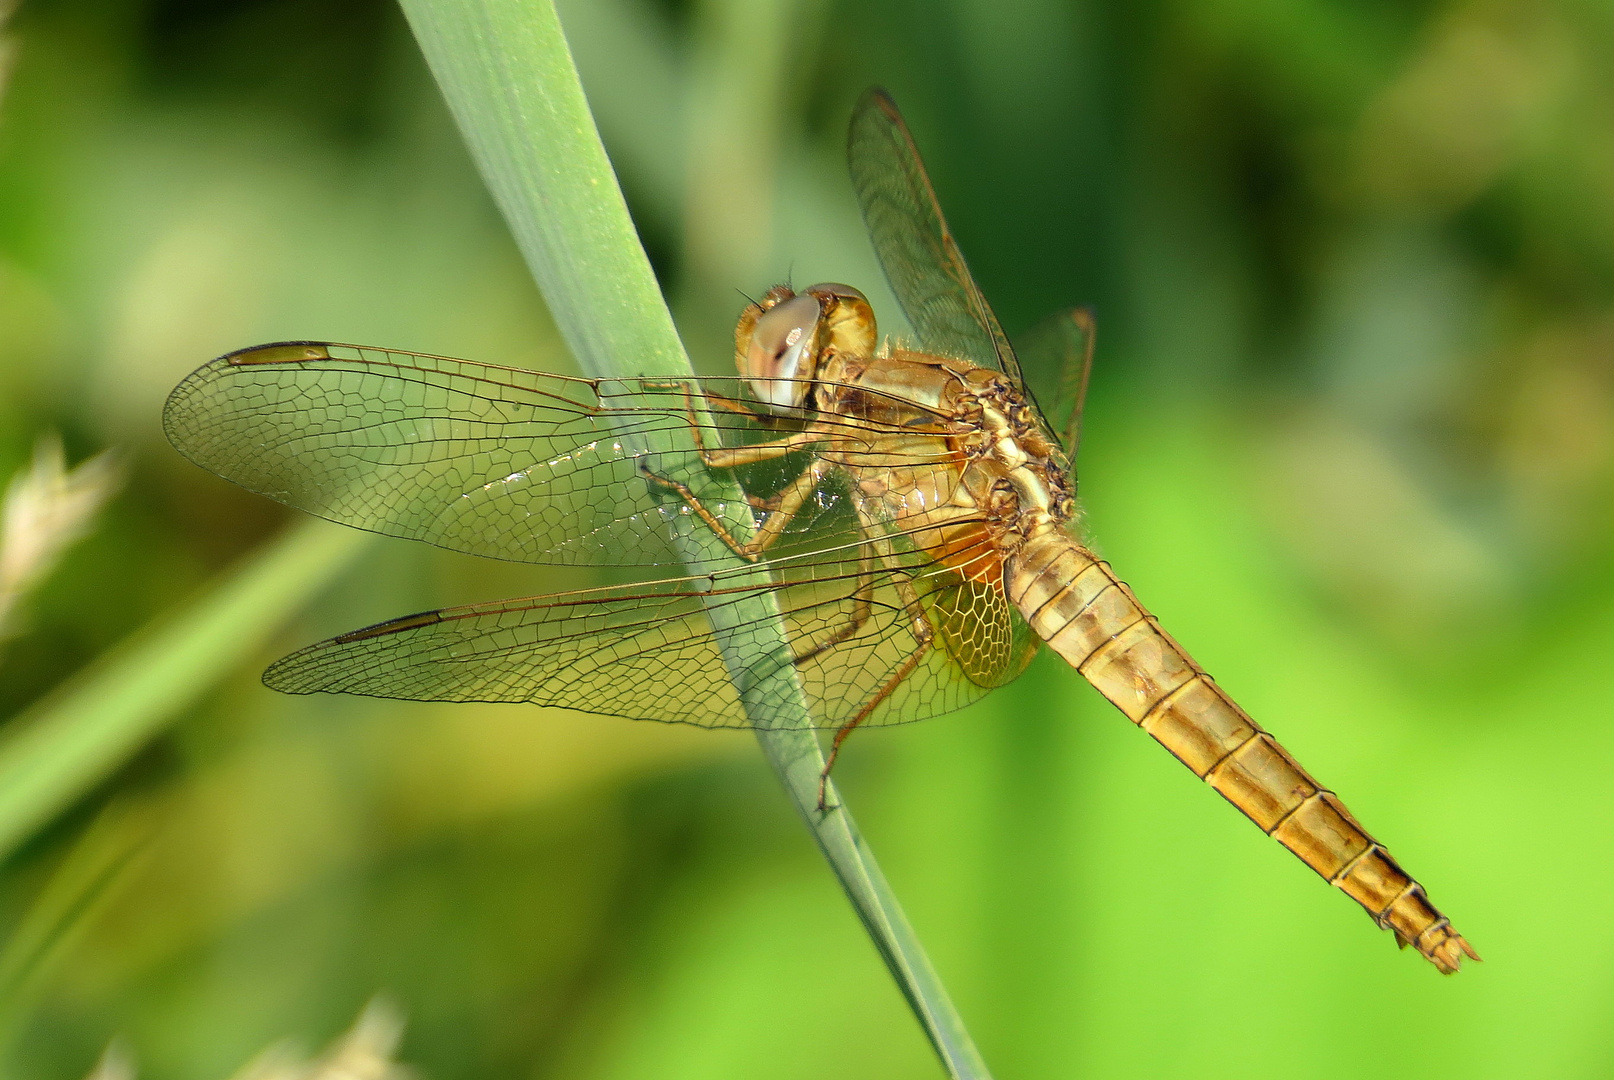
974	474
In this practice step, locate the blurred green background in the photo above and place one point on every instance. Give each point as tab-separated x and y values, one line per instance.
1351	434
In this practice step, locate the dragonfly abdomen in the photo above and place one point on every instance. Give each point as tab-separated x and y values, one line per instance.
1075	602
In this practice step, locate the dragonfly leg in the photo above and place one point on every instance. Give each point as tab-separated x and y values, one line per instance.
922	635
786	504
723	401
862	607
781	509
709	519
728	457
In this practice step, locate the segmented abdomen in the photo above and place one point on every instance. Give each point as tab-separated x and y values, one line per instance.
1075	602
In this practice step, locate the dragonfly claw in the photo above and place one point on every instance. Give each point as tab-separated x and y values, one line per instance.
824	805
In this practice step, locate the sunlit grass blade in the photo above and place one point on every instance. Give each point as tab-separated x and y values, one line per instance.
508	76
61	747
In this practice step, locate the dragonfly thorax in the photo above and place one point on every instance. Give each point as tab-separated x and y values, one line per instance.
1019	471
992	478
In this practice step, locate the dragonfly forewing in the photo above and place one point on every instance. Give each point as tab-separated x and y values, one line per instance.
499	462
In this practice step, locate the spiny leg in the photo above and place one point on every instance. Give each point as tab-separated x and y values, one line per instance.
781	509
712	397
847	728
728	457
923	636
709	519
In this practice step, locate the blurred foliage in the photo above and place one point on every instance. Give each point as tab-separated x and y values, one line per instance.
1351	434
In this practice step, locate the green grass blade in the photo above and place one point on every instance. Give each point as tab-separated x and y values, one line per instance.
61	747
508	76
80	886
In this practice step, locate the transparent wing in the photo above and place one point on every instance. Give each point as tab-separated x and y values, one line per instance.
1064	342
647	652
914	245
501	462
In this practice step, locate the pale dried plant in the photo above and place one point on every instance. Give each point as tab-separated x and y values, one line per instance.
6	8
363	1052
47	508
116	1064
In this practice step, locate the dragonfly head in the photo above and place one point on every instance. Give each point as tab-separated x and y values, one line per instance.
781	340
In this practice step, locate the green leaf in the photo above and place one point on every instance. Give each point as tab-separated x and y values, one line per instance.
63	746
508	76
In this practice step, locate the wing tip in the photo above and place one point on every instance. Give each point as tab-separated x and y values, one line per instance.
299	672
877	96
877	100
279	676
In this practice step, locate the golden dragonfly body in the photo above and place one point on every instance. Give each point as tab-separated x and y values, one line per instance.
910	506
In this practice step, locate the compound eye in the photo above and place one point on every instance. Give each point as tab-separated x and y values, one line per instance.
835	289
782	358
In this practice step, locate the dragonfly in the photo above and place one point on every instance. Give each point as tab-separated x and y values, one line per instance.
889	527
